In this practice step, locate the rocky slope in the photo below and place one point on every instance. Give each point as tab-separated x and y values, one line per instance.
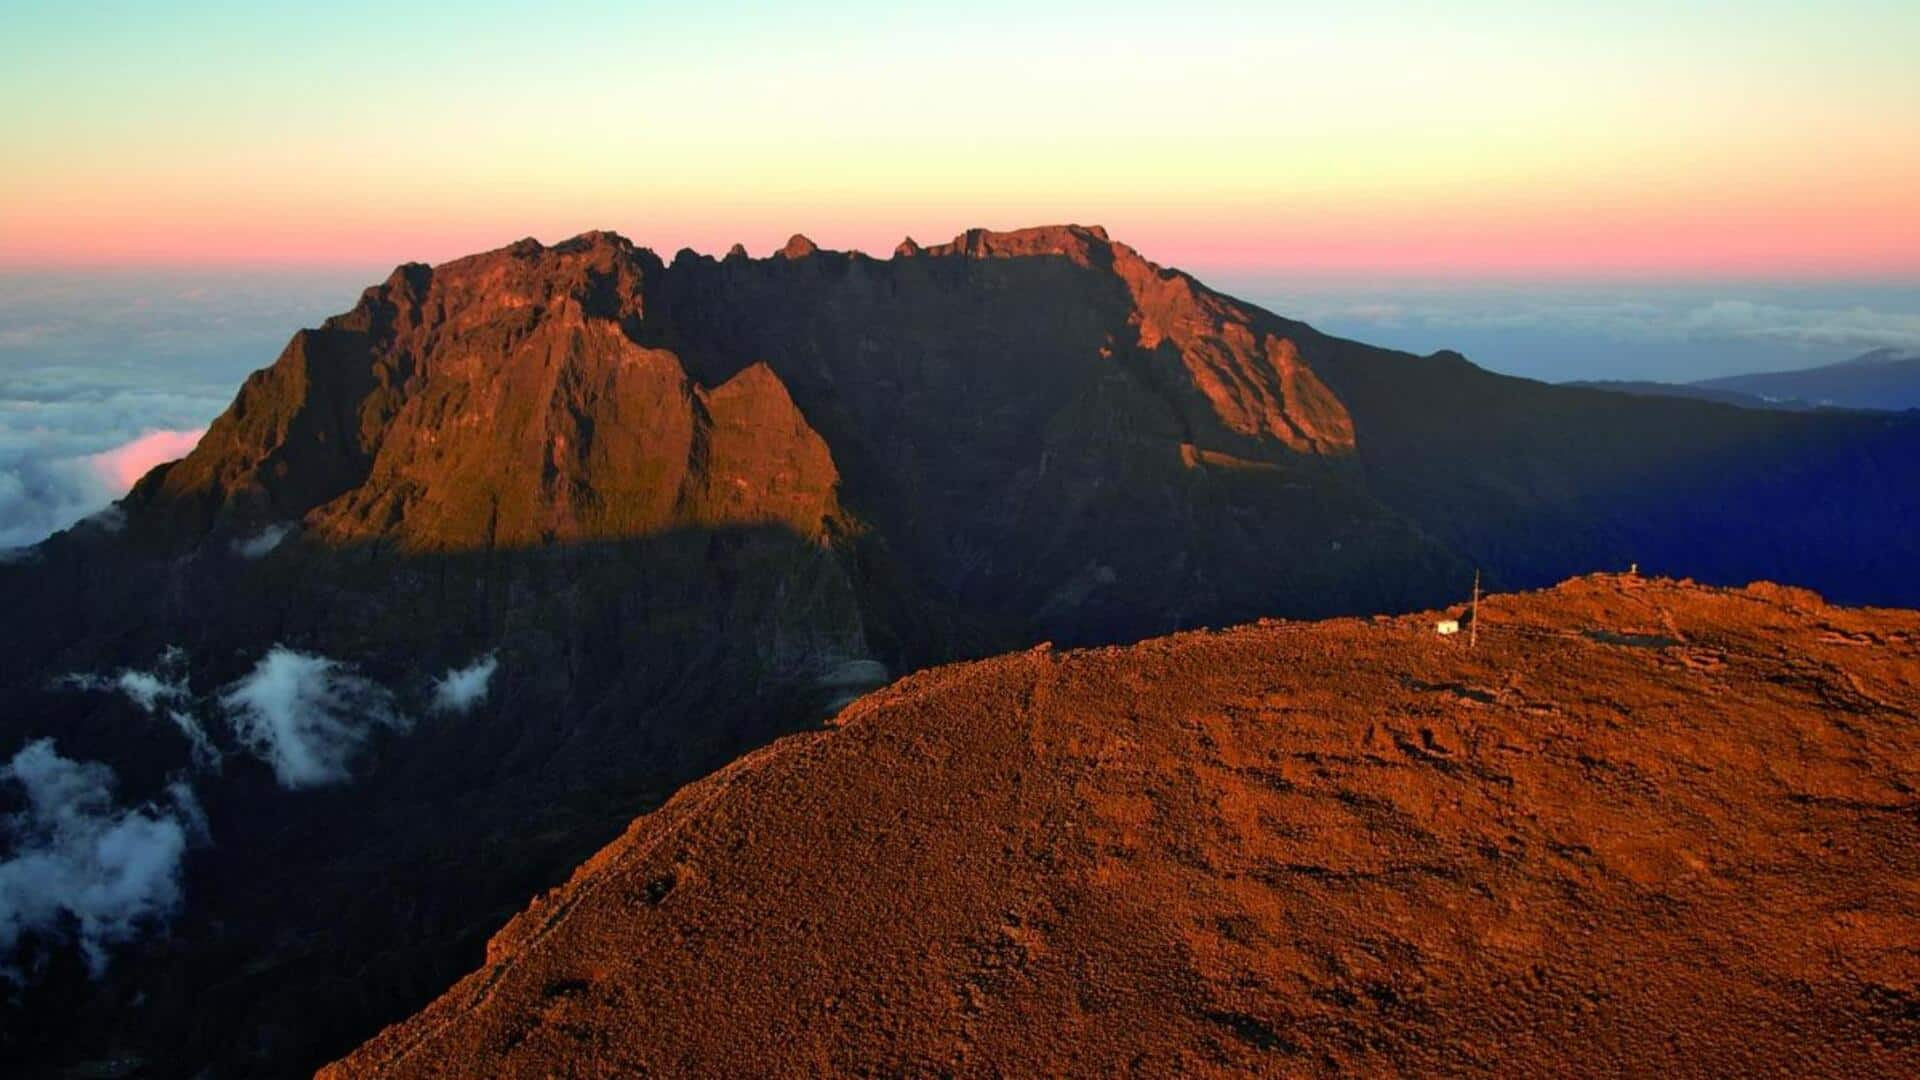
1643	827
678	508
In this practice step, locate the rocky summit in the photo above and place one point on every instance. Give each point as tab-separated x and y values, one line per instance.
1638	827
523	543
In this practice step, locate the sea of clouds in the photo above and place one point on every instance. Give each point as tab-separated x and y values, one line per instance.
104	375
1561	331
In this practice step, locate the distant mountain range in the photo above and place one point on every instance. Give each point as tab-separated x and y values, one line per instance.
522	543
1884	379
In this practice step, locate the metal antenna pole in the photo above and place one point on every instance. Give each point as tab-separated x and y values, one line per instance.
1473	631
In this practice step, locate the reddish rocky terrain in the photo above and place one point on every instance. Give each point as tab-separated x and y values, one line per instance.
1643	827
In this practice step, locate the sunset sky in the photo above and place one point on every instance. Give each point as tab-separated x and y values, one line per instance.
1755	139
1562	191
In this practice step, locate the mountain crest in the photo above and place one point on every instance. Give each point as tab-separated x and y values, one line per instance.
798	247
1085	246
548	393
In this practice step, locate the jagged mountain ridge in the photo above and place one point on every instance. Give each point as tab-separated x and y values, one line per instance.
970	396
994	407
680	501
502	405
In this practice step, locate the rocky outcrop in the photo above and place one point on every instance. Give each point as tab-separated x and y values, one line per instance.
1007	415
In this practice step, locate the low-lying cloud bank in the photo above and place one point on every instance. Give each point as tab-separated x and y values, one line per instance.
104	374
1624	313
1672	331
80	866
125	464
307	716
41	494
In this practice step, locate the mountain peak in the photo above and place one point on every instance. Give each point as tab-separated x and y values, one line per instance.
496	399
1882	356
1085	245
594	240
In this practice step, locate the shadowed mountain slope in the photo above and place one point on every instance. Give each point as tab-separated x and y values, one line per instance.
1643	827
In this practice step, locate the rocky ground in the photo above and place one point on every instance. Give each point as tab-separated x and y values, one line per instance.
1643	827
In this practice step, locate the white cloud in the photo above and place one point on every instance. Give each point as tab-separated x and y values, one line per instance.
307	716
125	464
1628	318
1857	327
79	865
42	491
460	689
162	690
40	497
147	689
257	545
111	520
205	754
